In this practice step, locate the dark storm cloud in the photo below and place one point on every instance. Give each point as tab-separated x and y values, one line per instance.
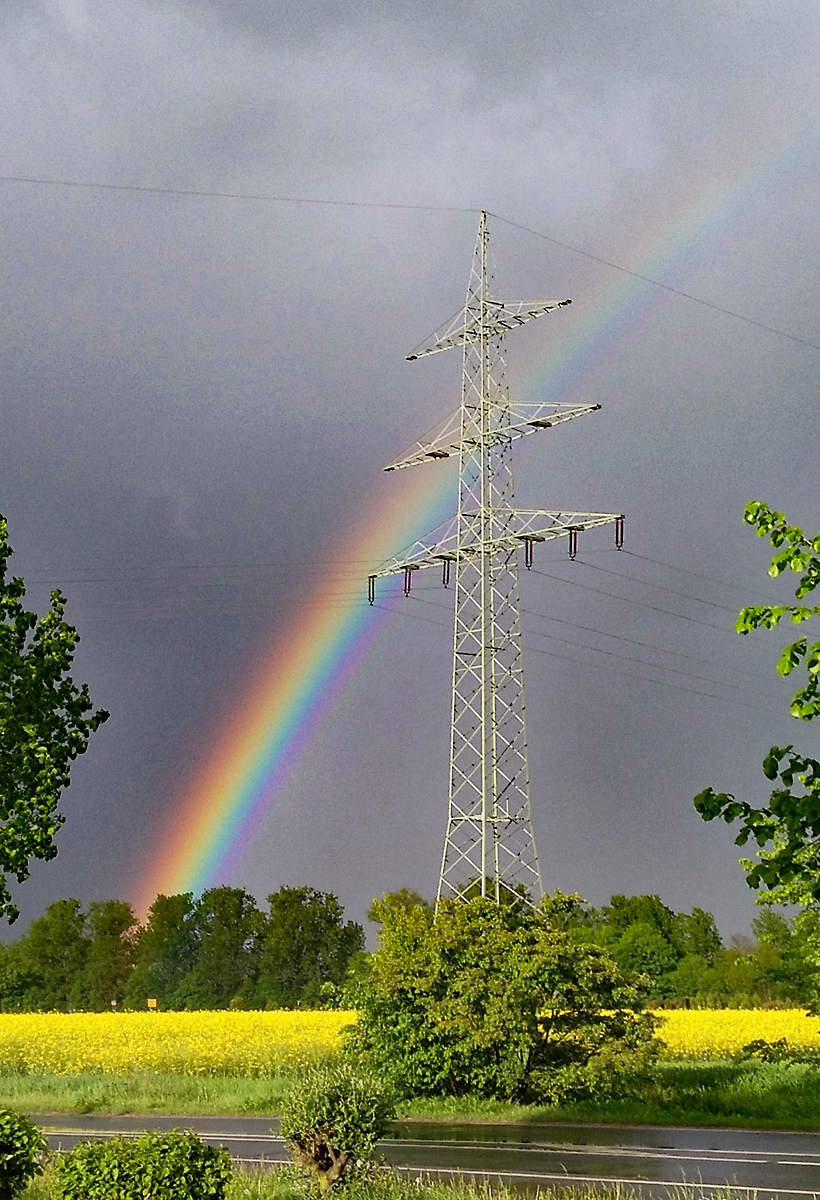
196	389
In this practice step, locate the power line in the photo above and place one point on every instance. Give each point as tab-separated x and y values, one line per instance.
678	687
686	571
603	667
336	569
728	312
615	654
154	574
637	642
659	586
631	600
202	193
632	658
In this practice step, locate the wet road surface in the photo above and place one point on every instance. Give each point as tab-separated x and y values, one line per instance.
653	1159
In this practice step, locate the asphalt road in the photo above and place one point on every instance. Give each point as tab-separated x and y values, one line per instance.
653	1159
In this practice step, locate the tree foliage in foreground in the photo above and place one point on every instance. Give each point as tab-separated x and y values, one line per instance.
489	1001
22	1146
167	1166
45	723
786	830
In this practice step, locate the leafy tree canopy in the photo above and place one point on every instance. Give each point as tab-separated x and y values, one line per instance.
494	1002
111	955
387	903
53	954
306	945
787	829
45	723
696	933
623	911
166	951
228	931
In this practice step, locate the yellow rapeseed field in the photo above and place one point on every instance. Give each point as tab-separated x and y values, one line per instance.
720	1033
274	1043
189	1043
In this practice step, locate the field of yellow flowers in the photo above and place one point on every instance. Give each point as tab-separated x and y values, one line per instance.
266	1044
722	1033
248	1044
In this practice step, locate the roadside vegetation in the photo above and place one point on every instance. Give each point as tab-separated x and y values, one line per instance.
725	1092
286	1184
487	1014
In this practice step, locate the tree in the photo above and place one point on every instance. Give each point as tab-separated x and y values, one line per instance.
623	911
16	981
54	953
696	933
332	1119
403	897
494	1002
305	945
111	954
787	829
643	950
228	930
782	951
648	939
166	950
45	723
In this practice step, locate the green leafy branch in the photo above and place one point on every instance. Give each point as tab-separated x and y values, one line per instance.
786	831
800	554
46	721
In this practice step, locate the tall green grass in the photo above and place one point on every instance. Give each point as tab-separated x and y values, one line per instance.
143	1093
739	1093
287	1184
731	1093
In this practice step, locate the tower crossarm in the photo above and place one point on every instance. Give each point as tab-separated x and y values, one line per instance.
480	321
516	526
445	439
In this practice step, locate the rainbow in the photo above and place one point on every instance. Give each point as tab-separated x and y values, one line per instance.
220	804
297	677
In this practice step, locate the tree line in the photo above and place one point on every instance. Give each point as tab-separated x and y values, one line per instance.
684	962
214	952
221	950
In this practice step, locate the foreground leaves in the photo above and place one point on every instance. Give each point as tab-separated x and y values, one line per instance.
45	723
787	829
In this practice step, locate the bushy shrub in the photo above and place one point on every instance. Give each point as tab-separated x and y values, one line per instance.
491	1001
333	1118
21	1144
162	1166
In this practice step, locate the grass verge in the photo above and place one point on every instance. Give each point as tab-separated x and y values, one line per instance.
783	1095
724	1093
143	1093
287	1184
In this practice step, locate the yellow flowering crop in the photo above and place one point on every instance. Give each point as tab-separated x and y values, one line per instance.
722	1032
273	1043
189	1043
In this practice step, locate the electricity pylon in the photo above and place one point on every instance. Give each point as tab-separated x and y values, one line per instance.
489	843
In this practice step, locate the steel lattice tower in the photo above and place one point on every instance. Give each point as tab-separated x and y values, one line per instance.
489	840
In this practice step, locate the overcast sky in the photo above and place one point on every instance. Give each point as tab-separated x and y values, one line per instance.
191	383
